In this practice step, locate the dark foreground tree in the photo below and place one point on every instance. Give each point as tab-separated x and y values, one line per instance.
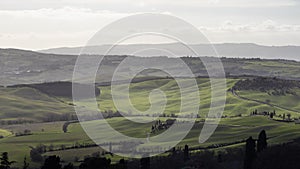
52	162
122	164
284	156
250	153
36	153
262	141
69	166
4	161
145	163
95	163
186	153
25	163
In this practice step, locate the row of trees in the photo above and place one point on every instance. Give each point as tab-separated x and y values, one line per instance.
252	149
255	156
285	117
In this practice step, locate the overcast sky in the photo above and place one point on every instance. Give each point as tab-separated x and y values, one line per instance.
40	24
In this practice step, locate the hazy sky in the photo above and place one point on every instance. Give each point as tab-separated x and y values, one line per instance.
40	24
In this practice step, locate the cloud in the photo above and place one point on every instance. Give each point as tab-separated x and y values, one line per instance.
49	27
51	23
267	32
133	5
66	19
265	26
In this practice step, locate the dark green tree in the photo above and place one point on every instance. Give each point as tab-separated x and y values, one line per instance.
186	153
52	162
250	153
35	155
25	163
65	127
271	115
4	161
122	164
69	166
95	163
145	162
262	141
289	116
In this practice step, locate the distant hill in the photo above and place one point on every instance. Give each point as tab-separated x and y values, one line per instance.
29	67
25	67
248	50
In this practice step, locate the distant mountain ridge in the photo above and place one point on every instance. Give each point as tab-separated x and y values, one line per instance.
247	50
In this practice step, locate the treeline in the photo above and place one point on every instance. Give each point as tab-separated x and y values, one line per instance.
285	117
52	117
49	117
273	86
256	155
112	113
17	121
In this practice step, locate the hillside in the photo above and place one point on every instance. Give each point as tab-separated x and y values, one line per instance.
283	94
38	102
273	86
33	105
235	106
58	89
20	105
28	67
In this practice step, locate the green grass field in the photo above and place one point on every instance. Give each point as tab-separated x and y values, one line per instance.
229	130
237	126
139	93
29	104
288	101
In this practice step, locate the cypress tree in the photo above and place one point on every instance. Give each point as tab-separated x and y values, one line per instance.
262	141
250	153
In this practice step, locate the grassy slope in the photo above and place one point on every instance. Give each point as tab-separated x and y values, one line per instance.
278	68
29	104
230	129
139	93
288	101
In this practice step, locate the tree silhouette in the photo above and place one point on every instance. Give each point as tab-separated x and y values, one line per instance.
5	163
95	163
25	163
186	153
69	166
250	153
145	163
289	116
122	164
36	153
262	141
52	162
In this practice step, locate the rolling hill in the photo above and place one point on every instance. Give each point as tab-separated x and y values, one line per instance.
28	67
34	103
